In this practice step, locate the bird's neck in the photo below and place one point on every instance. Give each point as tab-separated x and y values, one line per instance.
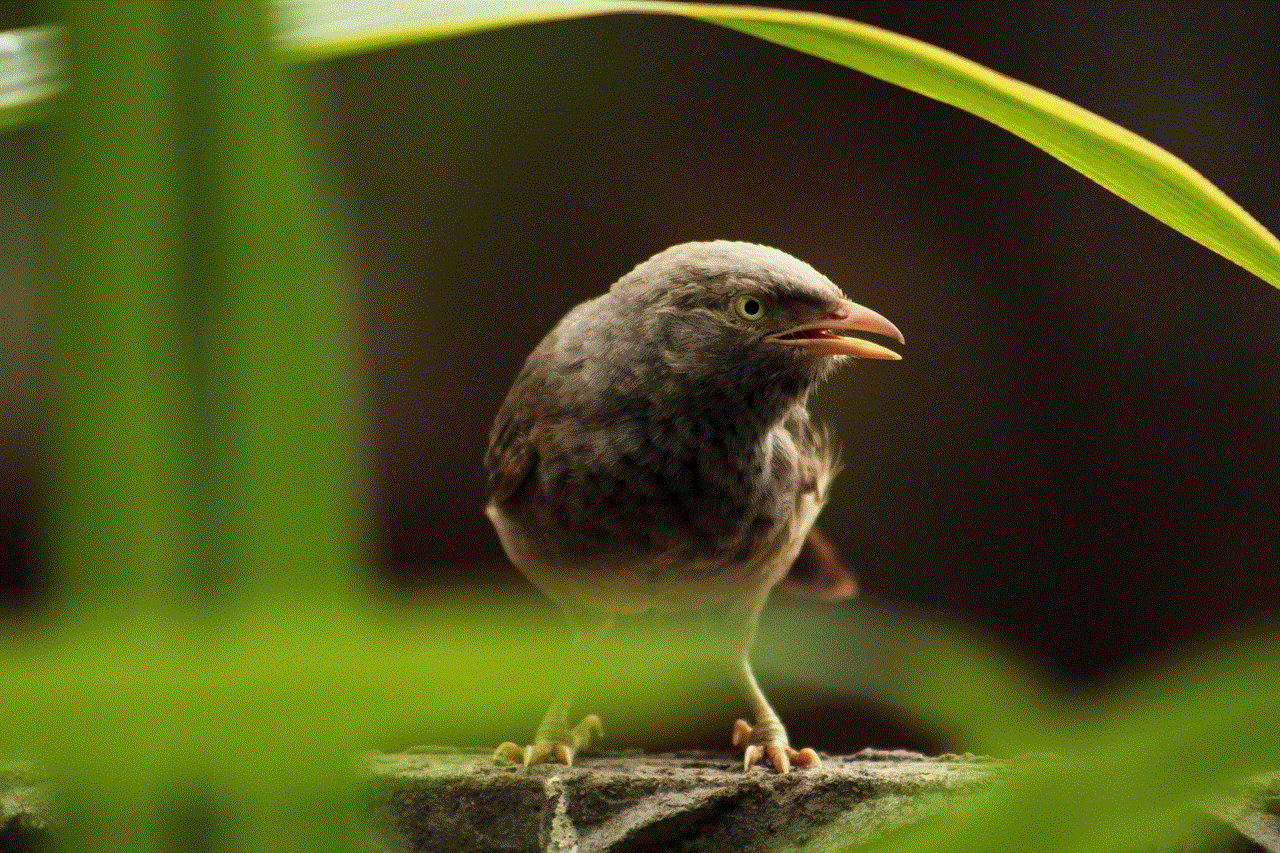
749	410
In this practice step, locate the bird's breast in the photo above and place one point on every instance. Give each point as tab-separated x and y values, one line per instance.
668	513
678	490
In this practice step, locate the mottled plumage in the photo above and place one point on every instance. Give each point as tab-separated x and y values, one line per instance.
655	451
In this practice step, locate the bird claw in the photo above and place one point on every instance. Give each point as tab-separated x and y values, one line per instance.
553	748
769	745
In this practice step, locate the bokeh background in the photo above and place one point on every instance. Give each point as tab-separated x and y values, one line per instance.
1078	453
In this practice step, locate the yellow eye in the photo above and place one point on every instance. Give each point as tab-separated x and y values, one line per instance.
749	307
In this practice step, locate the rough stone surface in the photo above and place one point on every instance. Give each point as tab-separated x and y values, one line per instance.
1255	815
23	807
457	801
688	801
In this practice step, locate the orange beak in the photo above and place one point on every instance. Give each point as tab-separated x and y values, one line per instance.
821	338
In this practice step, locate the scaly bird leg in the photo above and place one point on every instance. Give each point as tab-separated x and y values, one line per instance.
766	741
555	741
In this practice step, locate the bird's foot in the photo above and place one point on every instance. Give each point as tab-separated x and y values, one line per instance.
553	747
769	744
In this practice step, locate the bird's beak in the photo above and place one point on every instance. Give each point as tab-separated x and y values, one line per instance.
821	338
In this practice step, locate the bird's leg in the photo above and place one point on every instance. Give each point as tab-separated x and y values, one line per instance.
766	741
555	740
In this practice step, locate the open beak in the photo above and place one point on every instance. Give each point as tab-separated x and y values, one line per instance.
822	336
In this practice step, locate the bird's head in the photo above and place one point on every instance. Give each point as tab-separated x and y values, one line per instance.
726	311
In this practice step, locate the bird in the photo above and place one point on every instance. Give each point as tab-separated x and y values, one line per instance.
655	454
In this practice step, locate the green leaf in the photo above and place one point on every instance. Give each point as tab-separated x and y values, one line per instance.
269	319
120	504
1133	168
200	452
30	73
1136	767
1138	171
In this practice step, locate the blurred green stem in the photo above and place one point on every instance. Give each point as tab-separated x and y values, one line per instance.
200	438
120	466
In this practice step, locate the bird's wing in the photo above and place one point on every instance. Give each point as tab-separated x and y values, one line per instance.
508	463
513	442
818	572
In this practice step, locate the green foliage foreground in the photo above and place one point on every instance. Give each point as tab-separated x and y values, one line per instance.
209	643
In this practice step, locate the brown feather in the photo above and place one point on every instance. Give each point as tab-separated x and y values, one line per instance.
818	572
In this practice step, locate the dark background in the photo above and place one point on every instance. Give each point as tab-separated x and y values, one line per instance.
1078	452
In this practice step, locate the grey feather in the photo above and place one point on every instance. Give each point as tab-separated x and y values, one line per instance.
654	451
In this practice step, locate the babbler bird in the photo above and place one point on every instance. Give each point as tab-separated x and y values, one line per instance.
655	453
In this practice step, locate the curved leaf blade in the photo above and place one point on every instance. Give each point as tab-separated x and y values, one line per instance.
1128	165
30	73
1135	169
1140	172
325	29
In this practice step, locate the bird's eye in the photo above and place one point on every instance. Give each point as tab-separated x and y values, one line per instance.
749	307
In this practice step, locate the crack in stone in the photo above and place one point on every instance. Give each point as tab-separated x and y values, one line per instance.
557	834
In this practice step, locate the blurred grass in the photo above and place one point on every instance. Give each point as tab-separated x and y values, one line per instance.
1128	768
120	422
210	634
273	350
201	452
271	706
